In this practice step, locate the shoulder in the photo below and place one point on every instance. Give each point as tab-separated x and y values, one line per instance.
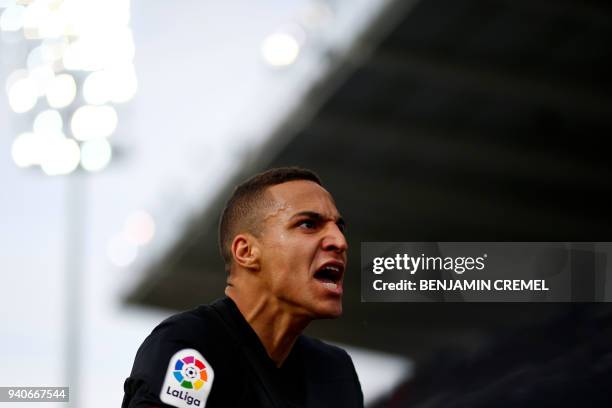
192	339
315	346
186	324
192	329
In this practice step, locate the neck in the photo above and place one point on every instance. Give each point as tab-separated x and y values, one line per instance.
275	325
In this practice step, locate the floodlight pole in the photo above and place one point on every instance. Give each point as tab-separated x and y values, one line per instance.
76	205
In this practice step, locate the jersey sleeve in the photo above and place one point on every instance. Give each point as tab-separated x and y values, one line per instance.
169	370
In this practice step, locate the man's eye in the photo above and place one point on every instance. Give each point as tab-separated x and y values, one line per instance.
307	224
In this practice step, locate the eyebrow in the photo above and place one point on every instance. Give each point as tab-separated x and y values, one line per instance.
318	217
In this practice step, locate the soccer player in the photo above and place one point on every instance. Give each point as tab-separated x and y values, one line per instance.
282	239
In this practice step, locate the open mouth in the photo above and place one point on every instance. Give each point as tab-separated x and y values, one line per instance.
330	276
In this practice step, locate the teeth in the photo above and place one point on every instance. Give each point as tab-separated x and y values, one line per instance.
330	285
333	268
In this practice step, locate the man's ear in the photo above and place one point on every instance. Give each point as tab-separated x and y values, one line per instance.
245	251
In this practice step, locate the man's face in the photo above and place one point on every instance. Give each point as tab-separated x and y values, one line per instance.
303	249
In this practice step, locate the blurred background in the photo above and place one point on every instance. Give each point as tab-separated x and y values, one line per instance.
125	125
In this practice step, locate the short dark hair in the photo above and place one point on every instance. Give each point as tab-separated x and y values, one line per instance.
242	212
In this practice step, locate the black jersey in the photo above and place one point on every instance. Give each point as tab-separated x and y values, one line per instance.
211	357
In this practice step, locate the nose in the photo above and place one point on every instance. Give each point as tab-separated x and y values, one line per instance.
334	239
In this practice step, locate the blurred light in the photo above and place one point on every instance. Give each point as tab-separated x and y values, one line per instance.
62	157
73	56
121	252
45	144
23	95
44	19
98	16
90	122
117	85
118	46
35	58
95	154
33	17
96	88
61	91
42	77
24	150
48	122
74	12
123	83
51	26
14	77
33	148
12	18
139	228
280	49
53	49
97	50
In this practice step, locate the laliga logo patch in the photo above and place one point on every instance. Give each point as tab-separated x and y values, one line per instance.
190	372
188	380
